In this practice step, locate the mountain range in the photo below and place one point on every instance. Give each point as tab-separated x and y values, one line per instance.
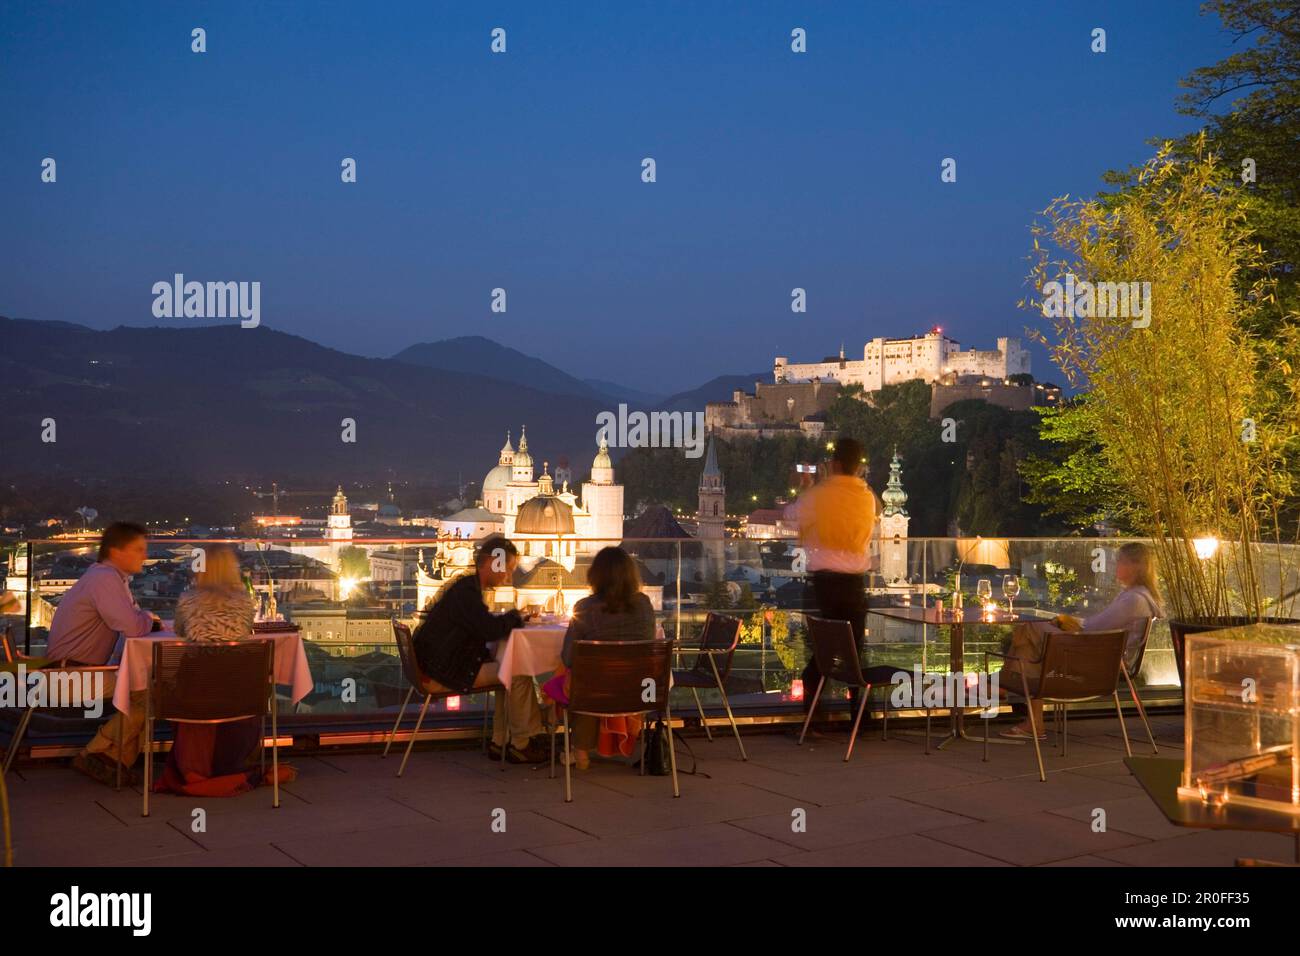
224	403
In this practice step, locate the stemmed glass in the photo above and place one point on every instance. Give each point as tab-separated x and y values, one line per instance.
985	591
1010	588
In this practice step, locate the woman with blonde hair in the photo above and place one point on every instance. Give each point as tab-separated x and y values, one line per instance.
1130	611
217	608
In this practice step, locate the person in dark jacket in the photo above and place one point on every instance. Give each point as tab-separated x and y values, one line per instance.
453	646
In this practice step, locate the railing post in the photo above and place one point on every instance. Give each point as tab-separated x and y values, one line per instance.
27	624
678	626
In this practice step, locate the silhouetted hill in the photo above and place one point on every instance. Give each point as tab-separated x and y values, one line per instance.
221	401
715	390
633	397
482	356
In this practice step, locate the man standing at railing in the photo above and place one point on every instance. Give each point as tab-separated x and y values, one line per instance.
836	518
91	617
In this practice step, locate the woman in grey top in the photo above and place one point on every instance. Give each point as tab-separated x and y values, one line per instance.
615	611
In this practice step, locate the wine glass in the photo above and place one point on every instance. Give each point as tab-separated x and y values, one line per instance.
985	591
1010	588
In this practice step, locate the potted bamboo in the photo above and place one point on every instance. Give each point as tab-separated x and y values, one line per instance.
1190	382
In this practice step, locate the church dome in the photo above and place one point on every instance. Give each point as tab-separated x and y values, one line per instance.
544	514
497	478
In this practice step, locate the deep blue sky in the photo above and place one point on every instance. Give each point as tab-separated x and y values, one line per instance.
523	170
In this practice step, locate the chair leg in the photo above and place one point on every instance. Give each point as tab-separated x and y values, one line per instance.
986	736
1142	712
568	762
275	755
18	739
1122	728
505	744
148	762
392	734
927	731
884	720
708	734
672	750
552	730
812	708
727	704
261	745
853	736
1065	730
415	733
121	736
487	706
1038	751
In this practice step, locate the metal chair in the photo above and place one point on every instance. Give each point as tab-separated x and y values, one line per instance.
53	673
421	681
1130	665
612	679
1075	667
837	659
712	665
212	684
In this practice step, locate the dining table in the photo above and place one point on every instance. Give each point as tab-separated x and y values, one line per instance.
534	649
956	620
136	664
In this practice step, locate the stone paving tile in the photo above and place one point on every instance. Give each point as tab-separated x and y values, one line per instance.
658	810
1082	861
1030	839
1207	848
1136	814
909	849
848	784
712	844
827	827
428	843
248	855
1020	795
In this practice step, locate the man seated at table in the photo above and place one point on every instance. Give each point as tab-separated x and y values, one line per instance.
453	646
91	616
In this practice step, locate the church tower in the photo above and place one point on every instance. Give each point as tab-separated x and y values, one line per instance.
712	515
521	486
603	500
340	520
893	525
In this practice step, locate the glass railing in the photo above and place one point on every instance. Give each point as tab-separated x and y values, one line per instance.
344	594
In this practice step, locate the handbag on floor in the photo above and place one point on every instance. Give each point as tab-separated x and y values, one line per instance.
655	742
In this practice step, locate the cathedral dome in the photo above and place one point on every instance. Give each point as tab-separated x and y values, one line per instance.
544	514
497	478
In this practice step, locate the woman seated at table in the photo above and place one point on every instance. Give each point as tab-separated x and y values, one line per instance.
214	760
615	611
1130	611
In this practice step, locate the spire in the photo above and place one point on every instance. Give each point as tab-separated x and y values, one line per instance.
544	483
894	497
711	463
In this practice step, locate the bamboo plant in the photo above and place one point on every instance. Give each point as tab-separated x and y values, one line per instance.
1195	413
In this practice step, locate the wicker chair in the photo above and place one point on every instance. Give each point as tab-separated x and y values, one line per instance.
429	687
610	680
837	659
712	665
209	684
1075	667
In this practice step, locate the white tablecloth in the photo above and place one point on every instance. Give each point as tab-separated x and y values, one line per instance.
291	668
530	651
534	651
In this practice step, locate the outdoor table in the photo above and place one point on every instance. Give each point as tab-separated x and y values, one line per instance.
133	672
1160	776
956	621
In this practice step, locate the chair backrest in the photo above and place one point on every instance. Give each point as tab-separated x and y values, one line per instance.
1135	651
835	651
1081	666
610	677
406	651
721	634
212	683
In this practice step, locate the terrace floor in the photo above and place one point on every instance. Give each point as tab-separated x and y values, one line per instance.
891	806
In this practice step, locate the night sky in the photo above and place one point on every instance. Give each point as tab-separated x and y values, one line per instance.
523	170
